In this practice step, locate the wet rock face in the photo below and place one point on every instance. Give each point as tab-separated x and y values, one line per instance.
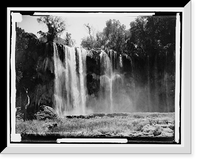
93	73
95	67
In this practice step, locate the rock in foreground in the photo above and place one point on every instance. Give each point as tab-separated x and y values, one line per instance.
46	112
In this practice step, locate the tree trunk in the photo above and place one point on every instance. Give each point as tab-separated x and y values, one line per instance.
26	106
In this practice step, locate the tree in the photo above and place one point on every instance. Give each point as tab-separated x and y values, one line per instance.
89	29
90	41
26	58
115	35
151	46
68	39
149	38
55	27
27	52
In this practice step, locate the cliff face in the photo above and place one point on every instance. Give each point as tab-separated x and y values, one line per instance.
35	70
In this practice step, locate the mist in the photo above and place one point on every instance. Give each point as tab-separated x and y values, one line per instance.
101	81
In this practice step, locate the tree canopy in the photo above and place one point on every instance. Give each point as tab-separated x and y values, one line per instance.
113	37
55	27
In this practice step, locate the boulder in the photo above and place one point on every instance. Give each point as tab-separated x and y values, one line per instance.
148	128
172	127
157	131
46	112
152	130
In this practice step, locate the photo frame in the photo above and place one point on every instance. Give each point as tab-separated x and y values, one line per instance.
183	110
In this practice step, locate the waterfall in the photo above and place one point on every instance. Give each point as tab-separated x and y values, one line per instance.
69	83
74	79
109	75
67	80
70	90
120	61
82	74
58	69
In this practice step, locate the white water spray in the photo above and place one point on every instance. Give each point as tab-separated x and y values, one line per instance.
70	90
109	75
82	74
69	83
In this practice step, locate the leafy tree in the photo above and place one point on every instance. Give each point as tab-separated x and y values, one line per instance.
150	37
90	41
100	40
26	58
28	50
151	46
68	39
21	45
55	27
115	35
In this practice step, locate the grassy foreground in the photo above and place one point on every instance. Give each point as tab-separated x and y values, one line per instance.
108	125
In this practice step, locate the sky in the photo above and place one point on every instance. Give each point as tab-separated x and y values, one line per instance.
75	23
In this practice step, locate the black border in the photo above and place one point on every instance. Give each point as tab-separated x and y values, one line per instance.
163	3
152	3
180	93
142	140
4	75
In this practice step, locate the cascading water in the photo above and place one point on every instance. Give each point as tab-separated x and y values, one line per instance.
82	74
109	76
69	84
58	69
120	61
74	80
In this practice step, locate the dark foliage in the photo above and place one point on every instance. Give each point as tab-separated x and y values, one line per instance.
152	49
147	50
34	71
